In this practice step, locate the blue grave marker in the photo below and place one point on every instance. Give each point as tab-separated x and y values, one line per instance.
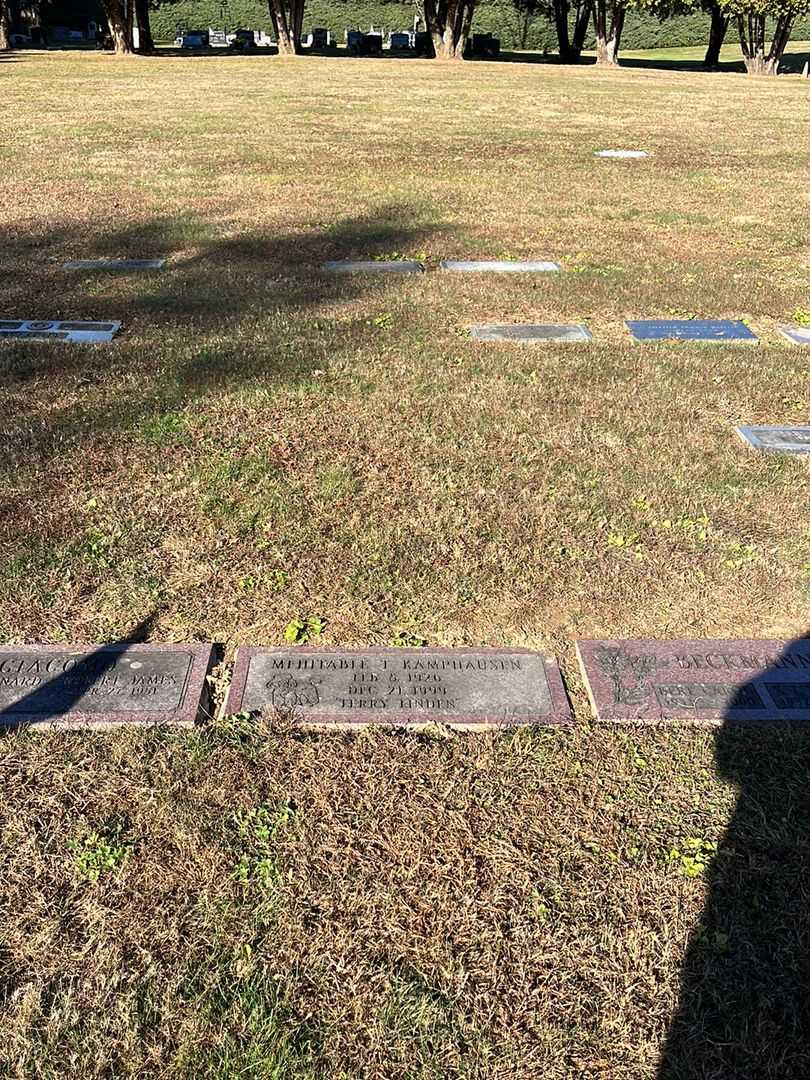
690	330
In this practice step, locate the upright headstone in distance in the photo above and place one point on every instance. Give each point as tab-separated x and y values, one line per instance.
697	681
704	330
103	686
532	333
465	688
776	440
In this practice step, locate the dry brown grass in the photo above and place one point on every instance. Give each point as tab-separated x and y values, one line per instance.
264	442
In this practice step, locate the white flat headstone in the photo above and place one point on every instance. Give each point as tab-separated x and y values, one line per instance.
774	439
532	334
114	264
621	153
373	266
499	266
57	330
798	335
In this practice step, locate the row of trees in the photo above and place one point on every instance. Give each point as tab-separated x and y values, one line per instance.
450	24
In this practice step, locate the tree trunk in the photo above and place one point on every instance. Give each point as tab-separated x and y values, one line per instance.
752	42
608	19
581	21
449	23
145	42
717	35
5	26
561	26
118	21
287	17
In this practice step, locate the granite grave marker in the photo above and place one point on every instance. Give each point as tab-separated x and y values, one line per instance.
775	439
373	266
708	330
57	330
102	686
466	688
532	333
621	153
697	681
114	264
797	335
499	266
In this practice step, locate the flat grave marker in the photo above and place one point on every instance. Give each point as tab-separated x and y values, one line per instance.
708	330
373	266
532	333
704	681
464	688
114	264
102	686
499	266
798	335
776	439
621	153
57	330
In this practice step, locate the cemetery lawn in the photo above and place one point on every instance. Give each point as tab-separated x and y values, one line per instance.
264	442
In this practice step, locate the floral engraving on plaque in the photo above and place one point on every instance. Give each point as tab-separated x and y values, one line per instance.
289	693
630	676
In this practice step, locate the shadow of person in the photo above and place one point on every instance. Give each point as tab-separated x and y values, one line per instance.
58	680
744	1011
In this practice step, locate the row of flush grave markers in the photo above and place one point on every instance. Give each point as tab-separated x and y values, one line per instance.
775	438
636	681
89	332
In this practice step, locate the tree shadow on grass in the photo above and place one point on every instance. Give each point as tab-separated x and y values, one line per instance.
227	294
225	310
792	63
744	1010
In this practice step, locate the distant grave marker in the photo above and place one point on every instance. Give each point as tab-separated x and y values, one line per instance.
102	686
467	688
532	334
499	266
621	153
700	681
57	330
775	439
114	264
373	266
708	330
798	335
